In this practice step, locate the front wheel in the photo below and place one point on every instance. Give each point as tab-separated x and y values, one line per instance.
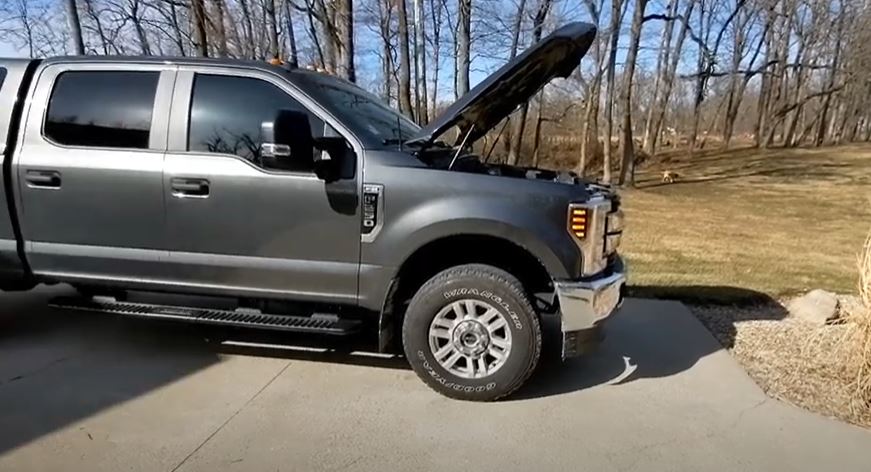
471	333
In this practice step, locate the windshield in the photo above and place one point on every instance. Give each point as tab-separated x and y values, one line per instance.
364	113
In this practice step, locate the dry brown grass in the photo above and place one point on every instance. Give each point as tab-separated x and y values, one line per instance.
747	229
859	337
775	222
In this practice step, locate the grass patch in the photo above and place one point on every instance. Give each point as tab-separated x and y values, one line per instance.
749	224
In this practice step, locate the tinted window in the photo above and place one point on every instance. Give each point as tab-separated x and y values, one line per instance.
2	76
102	109
366	113
227	113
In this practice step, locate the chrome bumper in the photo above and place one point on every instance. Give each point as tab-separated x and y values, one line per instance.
584	305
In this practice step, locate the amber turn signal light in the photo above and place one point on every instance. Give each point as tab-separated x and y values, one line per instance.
578	222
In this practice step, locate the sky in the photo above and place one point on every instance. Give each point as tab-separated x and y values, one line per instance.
9	50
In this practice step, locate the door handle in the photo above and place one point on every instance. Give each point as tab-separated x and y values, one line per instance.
43	179
190	188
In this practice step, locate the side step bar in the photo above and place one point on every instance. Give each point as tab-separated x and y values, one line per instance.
242	318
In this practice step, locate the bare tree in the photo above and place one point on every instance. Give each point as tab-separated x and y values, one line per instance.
520	122
404	62
616	20
75	27
463	47
627	144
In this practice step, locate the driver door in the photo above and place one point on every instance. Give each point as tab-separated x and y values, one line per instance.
237	226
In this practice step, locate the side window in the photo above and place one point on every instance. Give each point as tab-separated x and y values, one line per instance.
227	112
102	109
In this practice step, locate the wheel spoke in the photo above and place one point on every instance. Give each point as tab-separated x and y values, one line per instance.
452	360
443	323
496	353
488	317
459	309
441	333
496	325
470	366
482	366
443	352
502	344
470	309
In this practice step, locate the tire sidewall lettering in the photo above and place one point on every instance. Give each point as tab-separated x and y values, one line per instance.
449	384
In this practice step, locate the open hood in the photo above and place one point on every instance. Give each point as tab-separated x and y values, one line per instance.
513	84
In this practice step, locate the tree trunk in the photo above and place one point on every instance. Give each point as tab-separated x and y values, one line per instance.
404	62
830	82
385	16
520	122
98	26
662	62
220	28
420	62
272	29
199	20
627	143
590	127
671	74
464	45
345	49
76	41
436	15
247	30
616	20
293	55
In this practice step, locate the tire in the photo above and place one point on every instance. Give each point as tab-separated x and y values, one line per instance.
455	316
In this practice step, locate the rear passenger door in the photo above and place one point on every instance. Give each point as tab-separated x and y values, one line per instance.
89	171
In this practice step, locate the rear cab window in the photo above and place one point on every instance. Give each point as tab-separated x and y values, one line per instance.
107	109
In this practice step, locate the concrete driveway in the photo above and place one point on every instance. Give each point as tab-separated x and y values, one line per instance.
87	392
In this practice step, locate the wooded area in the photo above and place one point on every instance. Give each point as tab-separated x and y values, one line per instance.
663	74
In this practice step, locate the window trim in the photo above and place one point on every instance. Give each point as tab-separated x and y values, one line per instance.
179	122
157	137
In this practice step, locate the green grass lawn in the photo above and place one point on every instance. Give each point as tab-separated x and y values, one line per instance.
745	222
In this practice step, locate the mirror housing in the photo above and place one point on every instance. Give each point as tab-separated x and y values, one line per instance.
328	163
288	138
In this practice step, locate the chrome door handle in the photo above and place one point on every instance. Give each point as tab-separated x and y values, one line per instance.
43	179
190	188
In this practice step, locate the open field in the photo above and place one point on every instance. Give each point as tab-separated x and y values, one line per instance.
777	221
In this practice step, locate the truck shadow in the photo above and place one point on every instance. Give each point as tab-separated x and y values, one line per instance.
652	338
58	368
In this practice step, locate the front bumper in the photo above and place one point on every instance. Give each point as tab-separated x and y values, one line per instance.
584	306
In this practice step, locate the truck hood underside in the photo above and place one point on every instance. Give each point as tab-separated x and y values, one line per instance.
476	112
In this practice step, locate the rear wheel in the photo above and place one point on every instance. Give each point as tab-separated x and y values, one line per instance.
471	333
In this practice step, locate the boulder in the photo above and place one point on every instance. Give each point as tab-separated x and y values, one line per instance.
850	305
817	306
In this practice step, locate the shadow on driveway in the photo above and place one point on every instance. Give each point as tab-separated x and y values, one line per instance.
649	339
58	367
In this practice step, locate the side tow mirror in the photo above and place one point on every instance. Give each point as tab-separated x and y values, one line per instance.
330	162
287	138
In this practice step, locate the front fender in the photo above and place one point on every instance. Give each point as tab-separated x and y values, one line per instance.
536	228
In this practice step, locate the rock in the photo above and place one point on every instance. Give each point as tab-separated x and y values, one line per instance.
849	305
817	306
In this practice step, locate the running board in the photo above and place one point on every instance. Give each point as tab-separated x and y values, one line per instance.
242	318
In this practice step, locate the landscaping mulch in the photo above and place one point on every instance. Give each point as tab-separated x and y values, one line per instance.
791	360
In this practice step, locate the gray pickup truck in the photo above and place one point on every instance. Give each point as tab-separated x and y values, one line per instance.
309	205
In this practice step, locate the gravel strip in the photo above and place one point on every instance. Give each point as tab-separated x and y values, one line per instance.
790	359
